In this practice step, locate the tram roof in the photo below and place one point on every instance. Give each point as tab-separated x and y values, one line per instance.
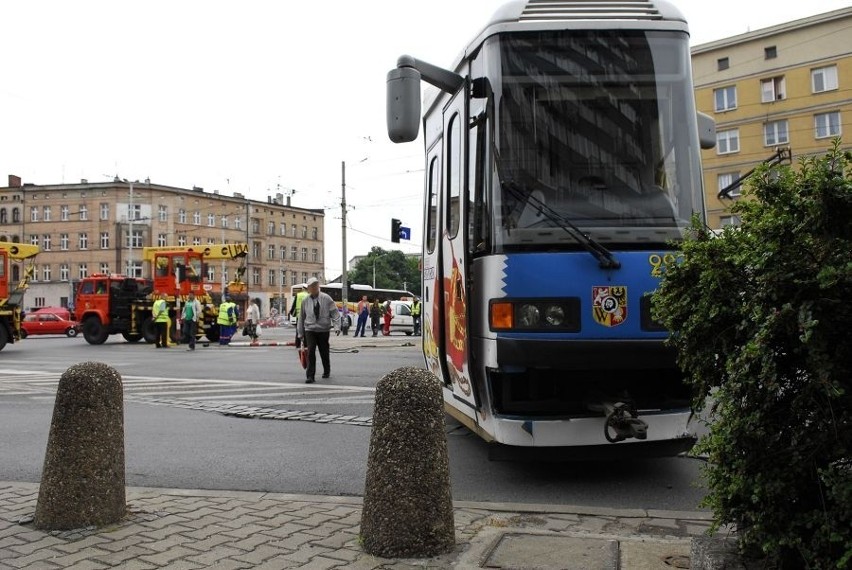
533	15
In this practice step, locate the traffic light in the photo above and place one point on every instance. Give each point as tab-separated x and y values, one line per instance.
395	225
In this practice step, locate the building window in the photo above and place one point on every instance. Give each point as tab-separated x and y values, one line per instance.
294	252
314	233
46	213
16	215
182	240
161	240
304	277
726	98
283	229
294	278
314	255
63	213
726	179
136	241
104	211
84	241
284	277
211	241
304	254
34	239
304	232
728	141
104	240
255	226
134	212
196	218
255	249
39	302
270	251
293	230
225	222
729	221
211	220
64	272
45	242
723	63
282	251
4	218
34	214
134	269
270	228
104	268
45	272
238	222
211	273
271	277
775	133
182	216
827	125
82	271
824	79
162	213
772	89
84	212
770	52
63	242
196	241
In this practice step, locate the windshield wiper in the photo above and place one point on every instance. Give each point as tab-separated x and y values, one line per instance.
605	258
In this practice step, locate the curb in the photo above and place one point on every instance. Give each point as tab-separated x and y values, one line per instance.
357	500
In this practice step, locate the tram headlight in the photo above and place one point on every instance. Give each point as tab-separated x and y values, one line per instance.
529	316
554	315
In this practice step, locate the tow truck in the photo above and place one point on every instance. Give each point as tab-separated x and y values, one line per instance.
11	302
116	304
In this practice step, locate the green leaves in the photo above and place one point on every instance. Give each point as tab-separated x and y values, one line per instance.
761	318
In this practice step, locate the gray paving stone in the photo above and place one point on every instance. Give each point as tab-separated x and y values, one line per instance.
167	556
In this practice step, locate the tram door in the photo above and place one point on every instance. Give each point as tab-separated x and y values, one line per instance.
453	254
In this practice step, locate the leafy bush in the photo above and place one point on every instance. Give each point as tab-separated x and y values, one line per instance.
761	318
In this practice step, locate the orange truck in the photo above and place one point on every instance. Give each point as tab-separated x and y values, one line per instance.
11	295
116	304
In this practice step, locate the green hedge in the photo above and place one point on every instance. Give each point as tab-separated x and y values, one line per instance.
762	321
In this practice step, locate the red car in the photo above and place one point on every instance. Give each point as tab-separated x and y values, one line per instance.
48	323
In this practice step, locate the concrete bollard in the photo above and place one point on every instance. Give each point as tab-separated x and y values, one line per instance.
408	507
82	483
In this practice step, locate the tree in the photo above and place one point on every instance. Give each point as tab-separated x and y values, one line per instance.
393	270
761	317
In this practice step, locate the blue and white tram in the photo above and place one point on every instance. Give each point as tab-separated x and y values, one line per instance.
562	162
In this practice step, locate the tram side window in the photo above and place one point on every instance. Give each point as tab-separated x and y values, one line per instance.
432	213
454	174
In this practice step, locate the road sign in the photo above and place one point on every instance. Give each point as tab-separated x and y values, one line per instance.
404	233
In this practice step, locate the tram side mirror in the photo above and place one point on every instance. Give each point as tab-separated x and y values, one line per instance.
706	131
403	112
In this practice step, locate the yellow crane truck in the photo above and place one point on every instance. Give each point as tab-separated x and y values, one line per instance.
11	295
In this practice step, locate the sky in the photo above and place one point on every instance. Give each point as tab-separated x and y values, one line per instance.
257	97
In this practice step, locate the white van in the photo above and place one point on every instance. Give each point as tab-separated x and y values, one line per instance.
402	320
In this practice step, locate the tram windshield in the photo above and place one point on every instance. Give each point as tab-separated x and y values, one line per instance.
595	129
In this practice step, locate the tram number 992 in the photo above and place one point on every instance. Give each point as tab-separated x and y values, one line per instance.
659	263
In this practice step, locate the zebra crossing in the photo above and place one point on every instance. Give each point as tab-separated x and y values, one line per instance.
240	398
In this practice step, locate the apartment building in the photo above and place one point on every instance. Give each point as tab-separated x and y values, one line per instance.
87	228
784	87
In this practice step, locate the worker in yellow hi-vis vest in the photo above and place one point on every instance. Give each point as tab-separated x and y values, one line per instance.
160	313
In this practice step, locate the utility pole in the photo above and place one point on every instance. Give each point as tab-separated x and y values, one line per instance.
343	283
130	215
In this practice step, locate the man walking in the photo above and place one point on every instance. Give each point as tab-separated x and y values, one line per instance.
318	313
252	319
160	313
191	311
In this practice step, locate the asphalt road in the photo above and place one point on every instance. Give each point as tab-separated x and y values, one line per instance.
168	446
